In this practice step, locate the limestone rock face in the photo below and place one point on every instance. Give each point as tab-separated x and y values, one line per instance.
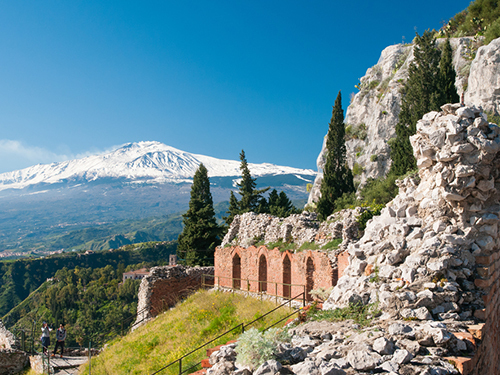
484	79
435	227
372	116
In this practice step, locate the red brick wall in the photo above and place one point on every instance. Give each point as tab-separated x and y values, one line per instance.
323	275
167	292
487	358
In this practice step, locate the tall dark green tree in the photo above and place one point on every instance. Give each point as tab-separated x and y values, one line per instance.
337	177
280	205
422	95
233	209
250	196
447	75
201	234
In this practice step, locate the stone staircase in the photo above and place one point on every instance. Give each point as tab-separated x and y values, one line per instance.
58	366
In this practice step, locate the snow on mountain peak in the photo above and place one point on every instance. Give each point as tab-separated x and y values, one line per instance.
144	161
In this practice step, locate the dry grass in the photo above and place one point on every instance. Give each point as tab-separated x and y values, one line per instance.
198	319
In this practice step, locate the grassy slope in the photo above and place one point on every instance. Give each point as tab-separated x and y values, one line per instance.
192	323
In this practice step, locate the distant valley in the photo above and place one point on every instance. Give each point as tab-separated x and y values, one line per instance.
133	194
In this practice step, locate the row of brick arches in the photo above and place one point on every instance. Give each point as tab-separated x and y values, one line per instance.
263	275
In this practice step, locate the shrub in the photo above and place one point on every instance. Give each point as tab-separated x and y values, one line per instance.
371	211
355	131
309	187
492	32
357	169
361	314
345	201
380	191
495	119
373	84
321	293
254	347
373	158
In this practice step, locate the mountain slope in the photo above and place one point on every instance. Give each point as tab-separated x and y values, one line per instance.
151	162
106	200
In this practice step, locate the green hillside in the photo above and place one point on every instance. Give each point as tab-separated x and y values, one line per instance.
21	277
198	319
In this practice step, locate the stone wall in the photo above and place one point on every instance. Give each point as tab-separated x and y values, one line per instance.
7	339
249	228
273	268
487	358
12	361
165	286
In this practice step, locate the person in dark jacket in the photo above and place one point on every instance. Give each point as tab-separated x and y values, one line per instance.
60	338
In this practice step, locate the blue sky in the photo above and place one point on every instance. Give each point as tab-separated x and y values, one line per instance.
207	77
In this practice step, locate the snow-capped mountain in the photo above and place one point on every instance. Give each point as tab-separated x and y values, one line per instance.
151	162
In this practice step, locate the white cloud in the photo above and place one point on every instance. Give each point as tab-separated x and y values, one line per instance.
16	155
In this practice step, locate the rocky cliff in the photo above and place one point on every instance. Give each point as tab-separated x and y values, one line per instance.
373	113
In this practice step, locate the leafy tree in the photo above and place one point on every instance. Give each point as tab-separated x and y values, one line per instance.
337	177
200	235
447	75
422	95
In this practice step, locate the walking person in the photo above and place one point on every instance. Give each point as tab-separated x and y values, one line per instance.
60	337
45	337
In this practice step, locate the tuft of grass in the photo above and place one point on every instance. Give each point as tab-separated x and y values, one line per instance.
359	313
282	246
308	246
333	244
201	317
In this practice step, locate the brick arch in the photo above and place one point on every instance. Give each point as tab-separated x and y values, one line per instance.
236	271
287	274
310	268
262	273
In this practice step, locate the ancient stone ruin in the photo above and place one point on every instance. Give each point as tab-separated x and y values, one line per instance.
165	286
428	265
12	360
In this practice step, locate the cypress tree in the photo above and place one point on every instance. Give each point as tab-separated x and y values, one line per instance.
447	75
280	205
233	209
337	177
200	235
422	95
250	196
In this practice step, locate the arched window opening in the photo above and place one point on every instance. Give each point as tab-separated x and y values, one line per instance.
236	272
262	274
287	277
309	278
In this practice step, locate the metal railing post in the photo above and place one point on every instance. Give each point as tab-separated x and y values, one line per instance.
180	366
90	357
